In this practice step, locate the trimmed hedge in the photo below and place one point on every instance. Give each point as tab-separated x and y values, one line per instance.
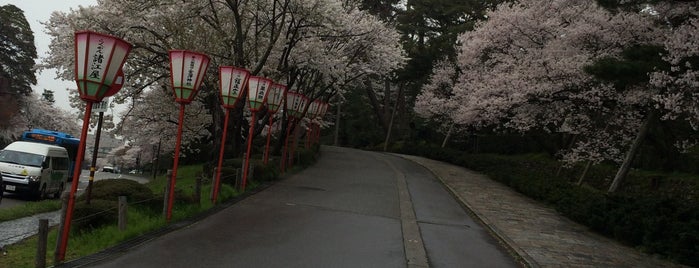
111	189
655	222
104	200
97	214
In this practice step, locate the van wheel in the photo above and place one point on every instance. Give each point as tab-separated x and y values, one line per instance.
58	194
41	195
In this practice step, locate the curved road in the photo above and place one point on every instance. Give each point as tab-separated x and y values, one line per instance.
351	209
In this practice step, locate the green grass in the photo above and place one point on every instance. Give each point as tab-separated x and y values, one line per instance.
28	209
22	254
140	221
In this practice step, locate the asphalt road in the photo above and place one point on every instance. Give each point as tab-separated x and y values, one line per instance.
351	209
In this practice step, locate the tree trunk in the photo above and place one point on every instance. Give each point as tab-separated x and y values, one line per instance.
446	138
388	133
569	145
337	124
393	114
582	176
379	110
624	169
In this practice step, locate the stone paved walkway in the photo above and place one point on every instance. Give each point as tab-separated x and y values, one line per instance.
541	236
15	230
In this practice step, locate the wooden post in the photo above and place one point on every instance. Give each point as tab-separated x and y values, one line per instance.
238	175
40	260
167	192
213	181
123	207
197	190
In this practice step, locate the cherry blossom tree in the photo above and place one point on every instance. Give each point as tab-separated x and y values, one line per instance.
313	46
531	66
38	113
153	121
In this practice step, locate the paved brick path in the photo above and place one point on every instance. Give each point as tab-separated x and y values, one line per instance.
541	236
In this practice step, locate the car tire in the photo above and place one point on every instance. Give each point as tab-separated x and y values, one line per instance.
58	194
41	195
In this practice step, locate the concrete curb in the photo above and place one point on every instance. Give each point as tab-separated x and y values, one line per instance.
519	253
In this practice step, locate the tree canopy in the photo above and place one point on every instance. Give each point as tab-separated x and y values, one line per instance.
17	50
572	67
317	48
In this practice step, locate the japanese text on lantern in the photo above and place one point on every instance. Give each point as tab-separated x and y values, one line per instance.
236	84
261	92
190	72
97	59
297	103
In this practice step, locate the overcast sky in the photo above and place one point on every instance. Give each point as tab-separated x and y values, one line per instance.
37	11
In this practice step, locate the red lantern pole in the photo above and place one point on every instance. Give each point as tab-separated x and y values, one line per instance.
308	136
173	179
286	144
74	185
293	146
98	58
269	138
233	84
217	183
247	155
318	133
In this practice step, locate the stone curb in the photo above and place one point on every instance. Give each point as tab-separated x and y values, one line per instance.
519	253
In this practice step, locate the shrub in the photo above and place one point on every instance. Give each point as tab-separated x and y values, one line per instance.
264	173
136	194
111	189
98	213
228	175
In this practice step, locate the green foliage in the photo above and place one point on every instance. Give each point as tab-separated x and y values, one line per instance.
28	209
111	189
265	173
18	51
306	157
102	209
98	213
94	226
633	69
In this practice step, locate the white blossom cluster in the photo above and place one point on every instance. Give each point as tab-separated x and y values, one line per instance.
524	69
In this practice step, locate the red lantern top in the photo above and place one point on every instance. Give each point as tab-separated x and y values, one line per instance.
233	83
258	87
98	59
187	70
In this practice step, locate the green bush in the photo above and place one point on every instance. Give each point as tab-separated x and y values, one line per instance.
136	194
228	175
111	189
264	173
98	213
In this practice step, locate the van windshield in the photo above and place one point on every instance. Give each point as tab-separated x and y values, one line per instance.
21	158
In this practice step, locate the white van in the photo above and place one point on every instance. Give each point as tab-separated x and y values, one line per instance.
34	168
